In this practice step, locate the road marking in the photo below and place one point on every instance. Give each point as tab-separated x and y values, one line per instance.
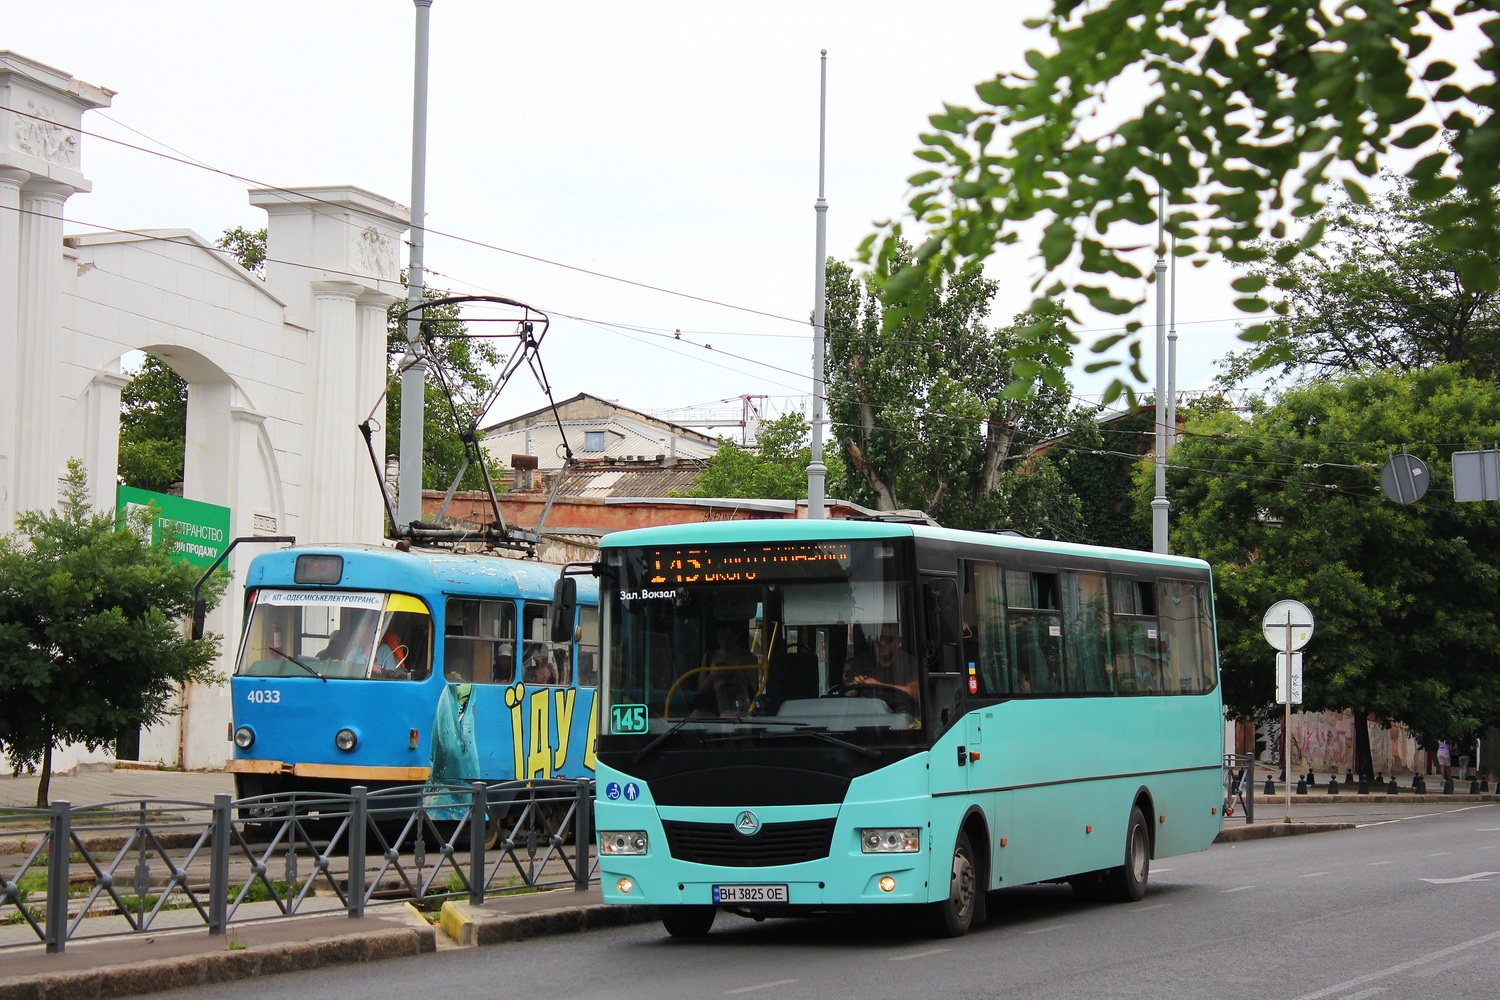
1489	829
1475	877
1158	871
1148	909
1445	967
1424	960
762	986
1372	864
1312	874
920	954
1048	929
1238	888
1440	854
1407	819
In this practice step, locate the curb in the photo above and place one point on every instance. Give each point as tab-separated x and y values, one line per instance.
473	926
221	967
1266	831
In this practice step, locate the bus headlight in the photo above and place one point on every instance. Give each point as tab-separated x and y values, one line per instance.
618	842
244	737
903	840
345	739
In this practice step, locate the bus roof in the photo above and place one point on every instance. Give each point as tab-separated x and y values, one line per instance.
803	530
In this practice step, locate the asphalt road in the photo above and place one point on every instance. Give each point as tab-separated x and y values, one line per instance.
1407	908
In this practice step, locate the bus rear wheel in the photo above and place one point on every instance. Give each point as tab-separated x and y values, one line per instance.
688	921
1127	883
953	916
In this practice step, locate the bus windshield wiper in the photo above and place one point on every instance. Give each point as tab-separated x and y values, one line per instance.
676	726
800	728
299	663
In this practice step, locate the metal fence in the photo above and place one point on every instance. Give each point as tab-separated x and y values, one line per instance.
154	864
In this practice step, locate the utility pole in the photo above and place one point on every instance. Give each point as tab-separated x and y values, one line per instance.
1159	504
817	472
414	379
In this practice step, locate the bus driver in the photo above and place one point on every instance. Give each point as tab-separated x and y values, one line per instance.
885	664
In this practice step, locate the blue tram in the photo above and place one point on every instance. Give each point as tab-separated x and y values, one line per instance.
378	666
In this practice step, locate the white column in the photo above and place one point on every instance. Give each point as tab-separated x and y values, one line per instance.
370	383
101	435
333	443
11	180
38	466
206	462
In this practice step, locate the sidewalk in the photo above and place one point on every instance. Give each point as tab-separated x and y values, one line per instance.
169	959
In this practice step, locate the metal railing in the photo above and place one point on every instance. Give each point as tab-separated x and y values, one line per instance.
1239	785
155	864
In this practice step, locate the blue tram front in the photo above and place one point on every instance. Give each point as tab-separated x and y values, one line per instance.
364	665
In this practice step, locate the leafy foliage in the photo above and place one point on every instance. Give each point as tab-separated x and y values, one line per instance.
775	469
153	424
90	630
1288	505
1252	108
246	247
921	409
1383	291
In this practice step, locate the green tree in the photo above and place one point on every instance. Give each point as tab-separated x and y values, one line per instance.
922	414
1383	291
1288	505
91	638
774	469
1252	109
153	427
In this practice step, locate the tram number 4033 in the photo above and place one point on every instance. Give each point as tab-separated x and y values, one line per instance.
266	696
627	719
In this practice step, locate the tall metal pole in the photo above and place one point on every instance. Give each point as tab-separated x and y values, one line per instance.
414	379
1159	504
1172	359
817	472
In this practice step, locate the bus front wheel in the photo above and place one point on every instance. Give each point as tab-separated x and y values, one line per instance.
1127	883
688	921
952	917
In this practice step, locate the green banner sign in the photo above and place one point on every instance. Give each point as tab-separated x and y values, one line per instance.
200	531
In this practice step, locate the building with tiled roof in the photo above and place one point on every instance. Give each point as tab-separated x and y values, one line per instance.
595	429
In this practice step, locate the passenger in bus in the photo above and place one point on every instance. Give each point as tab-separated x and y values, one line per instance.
884	662
723	691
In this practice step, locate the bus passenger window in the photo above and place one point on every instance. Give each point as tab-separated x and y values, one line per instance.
1136	635
1034	630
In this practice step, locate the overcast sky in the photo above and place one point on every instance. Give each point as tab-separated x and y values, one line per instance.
672	144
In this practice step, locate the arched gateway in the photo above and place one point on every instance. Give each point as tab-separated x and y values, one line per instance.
280	372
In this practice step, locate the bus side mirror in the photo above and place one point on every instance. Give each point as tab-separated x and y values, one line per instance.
200	616
564	608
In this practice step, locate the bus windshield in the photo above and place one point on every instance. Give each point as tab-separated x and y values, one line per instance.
762	642
336	634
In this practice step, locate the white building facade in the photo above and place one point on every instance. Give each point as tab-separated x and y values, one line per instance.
280	372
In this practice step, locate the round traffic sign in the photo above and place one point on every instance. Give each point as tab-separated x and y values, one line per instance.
1287	625
1404	479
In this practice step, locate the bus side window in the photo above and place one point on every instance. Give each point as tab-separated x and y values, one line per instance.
1136	634
984	629
1035	631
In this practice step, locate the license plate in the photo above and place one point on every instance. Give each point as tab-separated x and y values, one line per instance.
750	894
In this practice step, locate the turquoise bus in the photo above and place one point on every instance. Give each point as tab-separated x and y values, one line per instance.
810	716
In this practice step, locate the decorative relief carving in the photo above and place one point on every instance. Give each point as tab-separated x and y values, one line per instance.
375	253
46	139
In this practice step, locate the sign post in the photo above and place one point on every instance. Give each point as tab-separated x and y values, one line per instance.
1287	626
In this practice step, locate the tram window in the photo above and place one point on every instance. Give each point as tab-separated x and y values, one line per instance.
588	646
479	644
543	661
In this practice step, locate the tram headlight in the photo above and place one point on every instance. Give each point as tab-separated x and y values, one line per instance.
619	842
345	739
882	840
244	737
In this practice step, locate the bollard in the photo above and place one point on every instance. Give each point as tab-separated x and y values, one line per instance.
1484	784
1333	784
1364	785
1416	781
1301	786
1270	788
1379	777
1420	785
1312	779
1391	789
1447	786
1473	788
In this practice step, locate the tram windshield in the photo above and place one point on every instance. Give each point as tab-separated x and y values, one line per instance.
336	634
762	642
